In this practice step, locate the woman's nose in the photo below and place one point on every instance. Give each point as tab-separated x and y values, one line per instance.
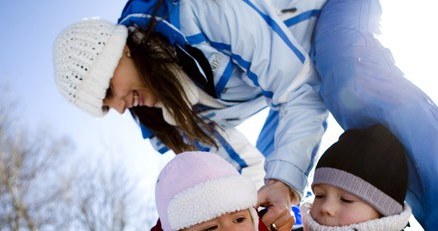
117	104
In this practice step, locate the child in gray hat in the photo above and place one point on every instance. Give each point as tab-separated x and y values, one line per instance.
360	183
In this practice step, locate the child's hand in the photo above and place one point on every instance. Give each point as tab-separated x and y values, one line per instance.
276	196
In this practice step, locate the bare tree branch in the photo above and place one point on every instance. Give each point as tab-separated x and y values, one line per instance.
40	188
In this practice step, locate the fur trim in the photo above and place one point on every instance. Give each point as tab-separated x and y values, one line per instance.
215	197
395	222
255	218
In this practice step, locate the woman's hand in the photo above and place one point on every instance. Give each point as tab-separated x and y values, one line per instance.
278	198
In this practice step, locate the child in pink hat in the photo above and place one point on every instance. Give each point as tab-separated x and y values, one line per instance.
200	191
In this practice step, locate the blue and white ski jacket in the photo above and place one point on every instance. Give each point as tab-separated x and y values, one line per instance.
258	53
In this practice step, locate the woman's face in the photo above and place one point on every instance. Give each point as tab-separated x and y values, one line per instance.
127	89
336	207
237	221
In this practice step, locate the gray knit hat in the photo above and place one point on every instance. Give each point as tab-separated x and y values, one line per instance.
369	163
85	56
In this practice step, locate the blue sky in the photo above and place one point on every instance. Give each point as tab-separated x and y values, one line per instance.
28	29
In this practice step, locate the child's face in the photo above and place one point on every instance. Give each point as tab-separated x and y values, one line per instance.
335	207
240	220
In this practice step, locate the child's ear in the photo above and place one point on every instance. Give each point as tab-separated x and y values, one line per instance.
127	51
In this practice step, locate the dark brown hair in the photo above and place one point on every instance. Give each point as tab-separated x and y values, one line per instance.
158	63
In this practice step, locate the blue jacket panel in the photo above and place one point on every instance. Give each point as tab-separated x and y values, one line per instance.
361	85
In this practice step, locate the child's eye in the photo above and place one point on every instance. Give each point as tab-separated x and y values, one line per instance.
214	227
240	220
345	200
319	196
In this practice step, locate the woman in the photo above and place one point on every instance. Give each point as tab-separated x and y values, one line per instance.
193	70
360	83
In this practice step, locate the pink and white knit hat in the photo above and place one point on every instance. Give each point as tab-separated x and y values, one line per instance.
195	187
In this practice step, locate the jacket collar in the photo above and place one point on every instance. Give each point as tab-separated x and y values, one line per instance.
389	223
139	12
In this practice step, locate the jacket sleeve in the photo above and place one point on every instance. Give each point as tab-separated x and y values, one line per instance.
236	149
257	41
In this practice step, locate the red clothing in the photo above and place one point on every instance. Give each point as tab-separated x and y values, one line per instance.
262	226
157	227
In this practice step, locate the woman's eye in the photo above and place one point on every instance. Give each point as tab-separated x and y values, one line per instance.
105	108
214	227
109	93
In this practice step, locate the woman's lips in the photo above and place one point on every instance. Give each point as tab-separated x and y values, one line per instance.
136	99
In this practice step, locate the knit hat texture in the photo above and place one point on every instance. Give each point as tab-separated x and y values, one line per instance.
369	163
195	187
85	56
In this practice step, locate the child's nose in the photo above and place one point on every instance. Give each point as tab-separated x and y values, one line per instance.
230	226
328	208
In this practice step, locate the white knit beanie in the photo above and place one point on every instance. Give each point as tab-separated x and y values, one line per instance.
195	187
85	56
